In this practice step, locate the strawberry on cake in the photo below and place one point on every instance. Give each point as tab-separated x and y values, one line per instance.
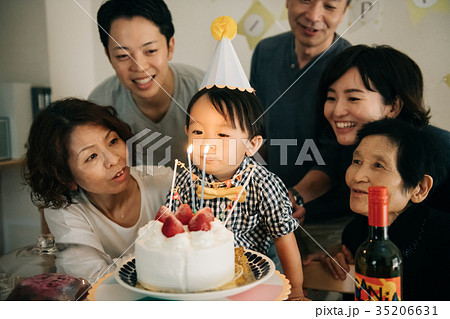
184	252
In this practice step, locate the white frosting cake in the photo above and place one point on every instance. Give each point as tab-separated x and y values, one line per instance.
187	262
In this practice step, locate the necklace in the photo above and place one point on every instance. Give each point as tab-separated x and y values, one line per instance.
124	202
125	209
125	198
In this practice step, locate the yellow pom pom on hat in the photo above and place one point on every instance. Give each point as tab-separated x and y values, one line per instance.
225	69
223	27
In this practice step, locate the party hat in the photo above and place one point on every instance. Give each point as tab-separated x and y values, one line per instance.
225	69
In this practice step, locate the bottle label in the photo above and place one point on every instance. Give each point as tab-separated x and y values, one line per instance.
377	289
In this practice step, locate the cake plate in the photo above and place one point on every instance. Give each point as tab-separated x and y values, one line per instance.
276	288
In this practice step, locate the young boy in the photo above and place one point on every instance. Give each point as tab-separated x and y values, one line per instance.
223	118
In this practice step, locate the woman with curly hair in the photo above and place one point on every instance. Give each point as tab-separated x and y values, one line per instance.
76	166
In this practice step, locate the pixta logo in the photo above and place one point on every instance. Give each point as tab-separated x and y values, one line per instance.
304	156
226	150
147	150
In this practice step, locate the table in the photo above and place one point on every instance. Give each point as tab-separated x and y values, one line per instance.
317	278
275	288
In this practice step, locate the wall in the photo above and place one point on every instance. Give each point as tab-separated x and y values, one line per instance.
194	43
24	58
71	34
24	54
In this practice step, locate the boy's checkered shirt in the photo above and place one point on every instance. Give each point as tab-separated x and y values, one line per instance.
265	214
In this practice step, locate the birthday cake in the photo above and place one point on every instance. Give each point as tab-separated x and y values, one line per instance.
184	252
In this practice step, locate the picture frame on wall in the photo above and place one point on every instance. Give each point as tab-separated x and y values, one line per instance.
40	98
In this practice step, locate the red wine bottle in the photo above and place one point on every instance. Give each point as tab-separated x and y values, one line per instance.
378	262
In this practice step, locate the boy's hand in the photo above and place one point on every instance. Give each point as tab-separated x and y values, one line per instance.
297	295
299	212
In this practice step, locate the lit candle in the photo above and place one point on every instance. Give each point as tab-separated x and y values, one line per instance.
205	151
189	151
173	184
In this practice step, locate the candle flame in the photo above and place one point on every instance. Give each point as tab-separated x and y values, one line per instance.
189	150
205	151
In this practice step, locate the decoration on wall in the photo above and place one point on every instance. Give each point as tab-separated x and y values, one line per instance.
419	9
446	79
255	23
284	14
366	14
424	3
